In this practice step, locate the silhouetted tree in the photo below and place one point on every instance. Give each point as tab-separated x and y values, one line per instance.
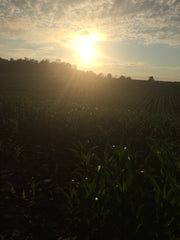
64	71
151	78
109	76
101	75
122	78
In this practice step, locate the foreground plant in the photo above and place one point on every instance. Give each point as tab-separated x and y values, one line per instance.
119	197
28	195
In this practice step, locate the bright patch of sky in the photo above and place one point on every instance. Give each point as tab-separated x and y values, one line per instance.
136	38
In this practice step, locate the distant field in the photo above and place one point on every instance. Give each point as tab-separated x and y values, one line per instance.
152	97
49	125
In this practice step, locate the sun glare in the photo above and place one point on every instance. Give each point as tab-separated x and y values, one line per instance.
84	45
86	51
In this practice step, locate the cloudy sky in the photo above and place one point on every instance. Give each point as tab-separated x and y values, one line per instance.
136	38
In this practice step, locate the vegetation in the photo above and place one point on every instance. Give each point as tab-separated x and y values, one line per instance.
87	156
151	78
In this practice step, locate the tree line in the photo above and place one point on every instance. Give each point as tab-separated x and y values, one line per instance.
44	66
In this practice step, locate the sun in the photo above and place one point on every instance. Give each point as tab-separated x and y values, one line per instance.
84	45
86	50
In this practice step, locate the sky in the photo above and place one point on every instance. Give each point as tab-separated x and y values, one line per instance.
136	38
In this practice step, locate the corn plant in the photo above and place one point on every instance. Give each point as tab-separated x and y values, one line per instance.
12	189
116	197
18	152
26	194
29	195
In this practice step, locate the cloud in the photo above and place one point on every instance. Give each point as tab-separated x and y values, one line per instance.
84	33
152	21
122	65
